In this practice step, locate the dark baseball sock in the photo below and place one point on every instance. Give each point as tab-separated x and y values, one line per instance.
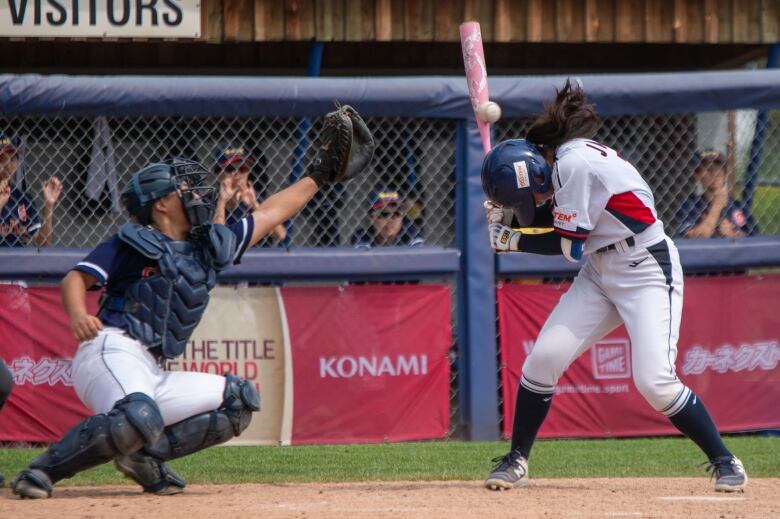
530	411
694	421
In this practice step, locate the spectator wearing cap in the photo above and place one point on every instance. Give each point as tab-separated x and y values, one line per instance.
19	219
389	225
237	194
710	212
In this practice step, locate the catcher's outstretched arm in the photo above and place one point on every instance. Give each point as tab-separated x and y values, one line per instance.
280	207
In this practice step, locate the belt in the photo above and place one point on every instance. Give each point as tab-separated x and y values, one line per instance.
629	241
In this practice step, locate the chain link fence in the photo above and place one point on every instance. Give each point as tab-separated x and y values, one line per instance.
662	147
94	158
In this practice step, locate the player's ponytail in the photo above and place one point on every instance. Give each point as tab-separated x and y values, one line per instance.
566	117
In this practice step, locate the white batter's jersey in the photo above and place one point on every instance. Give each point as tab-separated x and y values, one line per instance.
600	198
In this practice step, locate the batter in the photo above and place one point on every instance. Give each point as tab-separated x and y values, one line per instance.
600	208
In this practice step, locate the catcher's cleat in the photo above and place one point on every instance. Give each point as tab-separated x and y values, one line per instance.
154	476
729	474
511	471
32	483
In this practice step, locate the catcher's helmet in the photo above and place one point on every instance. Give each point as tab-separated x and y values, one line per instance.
511	172
157	179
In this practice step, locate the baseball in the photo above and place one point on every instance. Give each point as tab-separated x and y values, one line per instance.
489	112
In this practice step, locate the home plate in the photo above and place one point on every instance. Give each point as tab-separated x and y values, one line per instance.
700	498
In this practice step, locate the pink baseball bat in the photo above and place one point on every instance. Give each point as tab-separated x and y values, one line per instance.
476	74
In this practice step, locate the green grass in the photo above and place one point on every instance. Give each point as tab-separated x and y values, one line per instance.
649	457
766	209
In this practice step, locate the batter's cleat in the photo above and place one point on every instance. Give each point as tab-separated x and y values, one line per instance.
154	476
510	471
729	474
32	483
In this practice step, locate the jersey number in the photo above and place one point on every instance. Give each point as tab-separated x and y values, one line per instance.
598	147
601	149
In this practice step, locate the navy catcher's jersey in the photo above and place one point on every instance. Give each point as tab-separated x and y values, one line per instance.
18	220
116	265
237	213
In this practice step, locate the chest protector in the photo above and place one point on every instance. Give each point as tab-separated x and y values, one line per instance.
163	310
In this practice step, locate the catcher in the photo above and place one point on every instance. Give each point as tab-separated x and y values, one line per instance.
157	272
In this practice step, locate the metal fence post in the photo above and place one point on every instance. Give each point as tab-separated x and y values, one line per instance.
757	146
477	376
302	132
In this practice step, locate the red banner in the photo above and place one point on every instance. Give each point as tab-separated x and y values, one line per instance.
37	346
371	363
728	353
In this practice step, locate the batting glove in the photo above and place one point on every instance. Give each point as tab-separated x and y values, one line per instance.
497	214
503	239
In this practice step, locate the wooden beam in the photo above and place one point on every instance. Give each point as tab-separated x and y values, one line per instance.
680	22
211	21
510	20
238	16
481	11
329	20
747	21
398	20
448	17
549	16
269	20
659	21
356	12
725	22
770	12
384	18
711	21
694	15
534	20
419	19
629	21
570	20
600	20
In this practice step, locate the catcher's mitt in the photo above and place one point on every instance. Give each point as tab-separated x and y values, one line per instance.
346	149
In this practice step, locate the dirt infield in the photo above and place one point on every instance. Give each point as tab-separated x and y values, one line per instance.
546	498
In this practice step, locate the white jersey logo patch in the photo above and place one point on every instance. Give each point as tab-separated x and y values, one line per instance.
521	173
565	219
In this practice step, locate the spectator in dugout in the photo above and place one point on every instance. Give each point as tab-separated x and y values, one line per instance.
711	212
20	223
238	188
388	223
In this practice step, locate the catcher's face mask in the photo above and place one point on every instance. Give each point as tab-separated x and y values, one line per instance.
196	191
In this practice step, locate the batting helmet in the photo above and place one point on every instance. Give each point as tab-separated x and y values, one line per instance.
157	179
511	173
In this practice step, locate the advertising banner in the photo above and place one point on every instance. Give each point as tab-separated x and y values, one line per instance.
371	363
728	354
332	364
241	333
37	345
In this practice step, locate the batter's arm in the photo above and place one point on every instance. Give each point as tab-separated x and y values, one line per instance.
547	243
74	298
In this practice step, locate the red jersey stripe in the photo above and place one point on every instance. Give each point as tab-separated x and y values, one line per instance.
628	204
569	234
